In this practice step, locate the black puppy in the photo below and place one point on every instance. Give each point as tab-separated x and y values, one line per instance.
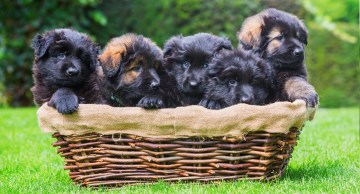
237	77
186	60
280	38
134	74
64	70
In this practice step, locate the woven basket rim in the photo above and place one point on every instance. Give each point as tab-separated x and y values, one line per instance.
191	121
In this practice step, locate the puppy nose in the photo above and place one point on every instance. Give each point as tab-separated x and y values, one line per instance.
154	85
298	52
72	71
194	84
245	99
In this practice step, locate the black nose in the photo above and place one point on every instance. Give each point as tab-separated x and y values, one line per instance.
155	85
298	52
72	71
194	84
245	99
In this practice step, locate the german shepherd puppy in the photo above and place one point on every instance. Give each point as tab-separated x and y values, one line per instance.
280	38
237	76
134	74
64	70
187	59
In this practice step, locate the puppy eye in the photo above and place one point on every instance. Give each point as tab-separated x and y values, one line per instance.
61	56
186	64
232	82
136	69
280	37
206	65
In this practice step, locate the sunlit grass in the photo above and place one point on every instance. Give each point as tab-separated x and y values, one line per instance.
327	159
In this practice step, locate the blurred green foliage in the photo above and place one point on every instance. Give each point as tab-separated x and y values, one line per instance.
333	50
332	53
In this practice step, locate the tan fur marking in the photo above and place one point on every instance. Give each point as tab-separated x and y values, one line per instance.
273	46
297	88
274	33
130	75
250	31
114	50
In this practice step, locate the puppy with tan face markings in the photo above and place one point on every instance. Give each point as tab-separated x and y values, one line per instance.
280	39
64	70
237	76
134	73
187	59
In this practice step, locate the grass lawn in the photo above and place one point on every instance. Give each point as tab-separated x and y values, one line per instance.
326	160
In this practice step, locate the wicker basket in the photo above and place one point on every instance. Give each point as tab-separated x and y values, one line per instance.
117	159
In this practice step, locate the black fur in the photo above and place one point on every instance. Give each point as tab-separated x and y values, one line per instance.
237	77
140	57
64	70
288	58
186	60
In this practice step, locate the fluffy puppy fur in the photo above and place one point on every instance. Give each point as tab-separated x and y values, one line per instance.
280	38
187	58
134	74
237	77
64	70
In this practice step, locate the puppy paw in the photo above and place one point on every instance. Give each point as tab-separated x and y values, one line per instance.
65	104
211	104
151	102
298	88
312	100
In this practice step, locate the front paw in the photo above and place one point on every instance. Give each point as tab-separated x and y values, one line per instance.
211	104
311	99
150	102
298	88
65	104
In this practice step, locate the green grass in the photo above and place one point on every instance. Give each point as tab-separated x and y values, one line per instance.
326	160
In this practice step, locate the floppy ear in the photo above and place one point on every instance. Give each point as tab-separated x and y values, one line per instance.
250	34
303	33
172	45
95	52
225	44
40	44
111	58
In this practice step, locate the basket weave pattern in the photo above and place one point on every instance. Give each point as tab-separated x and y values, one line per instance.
119	159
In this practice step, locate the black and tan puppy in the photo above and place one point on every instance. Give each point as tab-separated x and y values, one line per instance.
280	38
64	70
237	76
134	75
186	60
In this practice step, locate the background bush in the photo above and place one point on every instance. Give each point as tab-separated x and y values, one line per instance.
332	53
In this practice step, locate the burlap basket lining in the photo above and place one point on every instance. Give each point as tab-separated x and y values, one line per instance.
191	121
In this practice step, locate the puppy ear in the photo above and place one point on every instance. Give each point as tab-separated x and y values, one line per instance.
225	44
94	57
303	33
40	44
172	45
110	60
250	34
